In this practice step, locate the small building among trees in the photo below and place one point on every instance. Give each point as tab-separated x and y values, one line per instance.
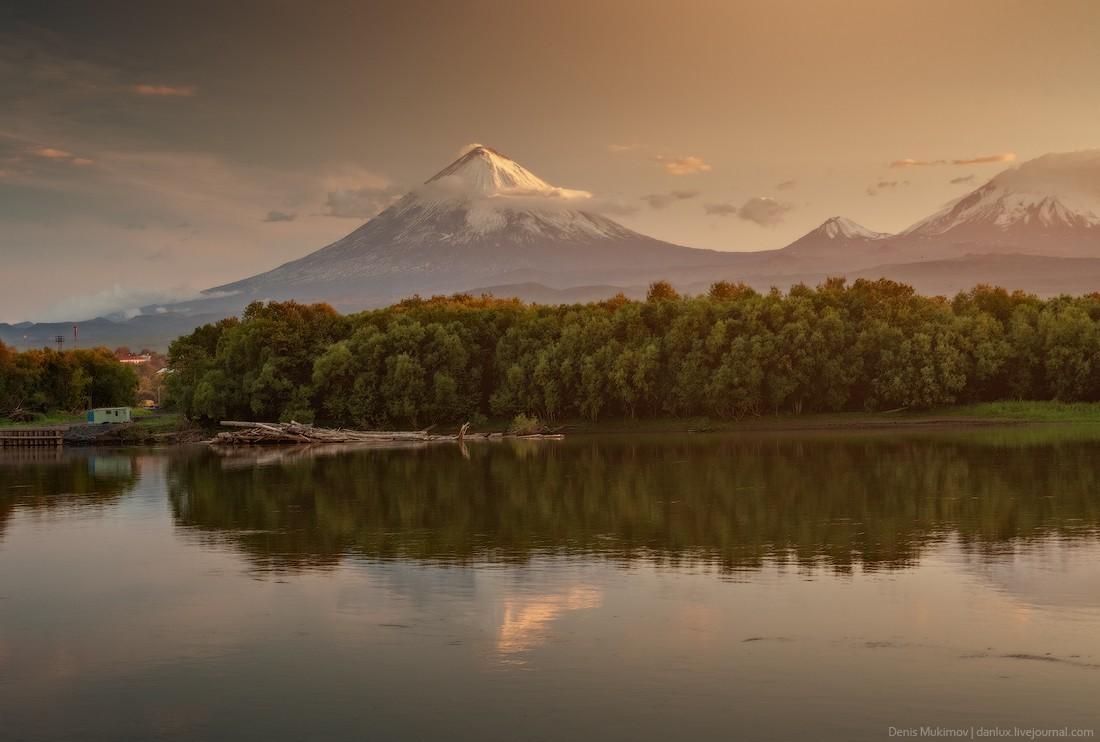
108	415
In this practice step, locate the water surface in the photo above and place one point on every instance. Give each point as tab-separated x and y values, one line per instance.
634	588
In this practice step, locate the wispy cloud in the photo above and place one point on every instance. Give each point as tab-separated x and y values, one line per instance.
883	185
279	216
170	91
620	148
767	212
786	185
985	159
662	200
961	179
720	209
468	147
1003	157
686	165
760	210
54	154
117	299
360	203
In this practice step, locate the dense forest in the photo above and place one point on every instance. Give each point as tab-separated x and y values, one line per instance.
869	345
37	381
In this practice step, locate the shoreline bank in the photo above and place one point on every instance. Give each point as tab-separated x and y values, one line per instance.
172	429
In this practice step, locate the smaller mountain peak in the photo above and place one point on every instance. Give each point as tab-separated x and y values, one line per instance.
839	226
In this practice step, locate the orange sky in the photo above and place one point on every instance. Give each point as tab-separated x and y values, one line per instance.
149	150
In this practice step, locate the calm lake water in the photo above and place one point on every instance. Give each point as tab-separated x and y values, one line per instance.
819	587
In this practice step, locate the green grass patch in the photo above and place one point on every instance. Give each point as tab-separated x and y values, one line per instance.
1038	412
1075	412
43	420
155	421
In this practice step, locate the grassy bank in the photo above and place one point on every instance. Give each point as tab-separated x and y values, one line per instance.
44	420
1074	412
988	413
153	426
147	427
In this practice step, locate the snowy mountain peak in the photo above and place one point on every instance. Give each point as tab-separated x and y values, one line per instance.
839	227
1050	193
485	171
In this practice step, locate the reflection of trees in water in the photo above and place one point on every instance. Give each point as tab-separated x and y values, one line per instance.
49	480
730	503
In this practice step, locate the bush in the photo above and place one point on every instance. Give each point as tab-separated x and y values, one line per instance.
525	425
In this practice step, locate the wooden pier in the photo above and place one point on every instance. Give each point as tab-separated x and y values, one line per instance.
36	437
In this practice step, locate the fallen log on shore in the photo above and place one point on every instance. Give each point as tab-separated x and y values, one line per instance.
256	433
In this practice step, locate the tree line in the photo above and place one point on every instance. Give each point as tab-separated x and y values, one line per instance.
46	380
734	352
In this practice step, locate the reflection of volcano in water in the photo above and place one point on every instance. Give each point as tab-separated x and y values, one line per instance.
729	503
1056	574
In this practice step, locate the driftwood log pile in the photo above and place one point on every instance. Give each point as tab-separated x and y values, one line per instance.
253	433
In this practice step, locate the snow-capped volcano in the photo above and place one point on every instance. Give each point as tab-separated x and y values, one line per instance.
836	239
483	219
483	171
839	227
1049	205
494	194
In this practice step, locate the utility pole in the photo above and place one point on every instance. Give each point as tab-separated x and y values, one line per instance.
76	337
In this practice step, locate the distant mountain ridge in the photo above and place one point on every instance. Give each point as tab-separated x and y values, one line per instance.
486	221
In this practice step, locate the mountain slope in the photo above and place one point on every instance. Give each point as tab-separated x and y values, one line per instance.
481	219
1047	206
838	242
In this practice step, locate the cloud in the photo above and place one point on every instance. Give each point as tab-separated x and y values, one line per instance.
720	209
471	146
52	154
786	185
360	203
611	207
117	300
171	91
908	162
279	216
661	200
767	212
1003	157
961	179
882	185
687	165
620	148
761	210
